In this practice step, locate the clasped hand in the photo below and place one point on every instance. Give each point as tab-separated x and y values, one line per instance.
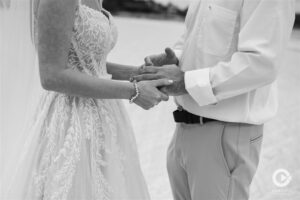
164	66
159	78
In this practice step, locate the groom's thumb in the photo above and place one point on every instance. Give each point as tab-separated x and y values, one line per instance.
163	82
170	53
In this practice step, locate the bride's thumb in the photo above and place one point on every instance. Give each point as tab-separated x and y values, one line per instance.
148	61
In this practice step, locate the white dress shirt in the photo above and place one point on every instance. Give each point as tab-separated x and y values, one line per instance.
231	52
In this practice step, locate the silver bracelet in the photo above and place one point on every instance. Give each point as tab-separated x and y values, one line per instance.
137	92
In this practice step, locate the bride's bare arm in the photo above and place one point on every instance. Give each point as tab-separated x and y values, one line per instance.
55	24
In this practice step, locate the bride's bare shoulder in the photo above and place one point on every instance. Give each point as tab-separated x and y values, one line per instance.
55	13
55	25
56	6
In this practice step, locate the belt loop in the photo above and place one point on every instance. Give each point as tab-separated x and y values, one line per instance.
201	121
180	108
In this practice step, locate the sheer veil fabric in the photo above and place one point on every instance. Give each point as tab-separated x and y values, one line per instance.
20	87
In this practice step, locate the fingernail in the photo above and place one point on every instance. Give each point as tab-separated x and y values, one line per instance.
171	81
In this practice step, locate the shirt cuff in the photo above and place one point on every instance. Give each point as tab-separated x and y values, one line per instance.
197	83
178	53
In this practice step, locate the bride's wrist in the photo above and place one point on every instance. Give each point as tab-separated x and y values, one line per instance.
130	90
136	95
135	71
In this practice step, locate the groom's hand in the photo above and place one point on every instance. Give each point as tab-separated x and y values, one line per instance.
171	72
167	58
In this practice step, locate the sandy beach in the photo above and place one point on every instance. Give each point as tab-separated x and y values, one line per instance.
154	129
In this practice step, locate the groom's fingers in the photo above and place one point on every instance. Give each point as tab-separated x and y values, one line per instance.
148	61
164	90
151	69
170	53
164	97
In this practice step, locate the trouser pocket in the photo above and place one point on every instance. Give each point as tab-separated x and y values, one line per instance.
241	146
255	149
223	149
239	143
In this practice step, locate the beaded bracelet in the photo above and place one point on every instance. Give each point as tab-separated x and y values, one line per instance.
137	92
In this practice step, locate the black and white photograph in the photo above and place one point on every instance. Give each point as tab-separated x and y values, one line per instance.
149	99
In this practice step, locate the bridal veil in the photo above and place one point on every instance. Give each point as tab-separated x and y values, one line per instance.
20	88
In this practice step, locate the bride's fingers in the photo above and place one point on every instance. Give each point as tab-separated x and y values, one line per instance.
146	77
148	70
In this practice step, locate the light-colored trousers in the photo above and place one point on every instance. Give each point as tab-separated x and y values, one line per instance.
214	161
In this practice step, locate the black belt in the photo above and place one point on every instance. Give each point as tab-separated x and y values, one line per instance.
182	116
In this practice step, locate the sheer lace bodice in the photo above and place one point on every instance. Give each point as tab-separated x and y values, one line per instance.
95	35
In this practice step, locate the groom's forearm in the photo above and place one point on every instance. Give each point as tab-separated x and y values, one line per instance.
121	72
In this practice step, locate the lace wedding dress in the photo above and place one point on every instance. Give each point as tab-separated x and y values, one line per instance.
85	148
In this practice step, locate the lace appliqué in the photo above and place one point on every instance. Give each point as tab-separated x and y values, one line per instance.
74	120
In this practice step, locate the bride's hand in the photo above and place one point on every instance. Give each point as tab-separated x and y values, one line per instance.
150	95
167	58
171	72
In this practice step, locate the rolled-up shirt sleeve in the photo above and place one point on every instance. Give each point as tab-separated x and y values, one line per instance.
263	36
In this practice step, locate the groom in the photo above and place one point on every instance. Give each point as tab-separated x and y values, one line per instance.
228	58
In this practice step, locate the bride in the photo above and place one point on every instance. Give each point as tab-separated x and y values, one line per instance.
84	147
